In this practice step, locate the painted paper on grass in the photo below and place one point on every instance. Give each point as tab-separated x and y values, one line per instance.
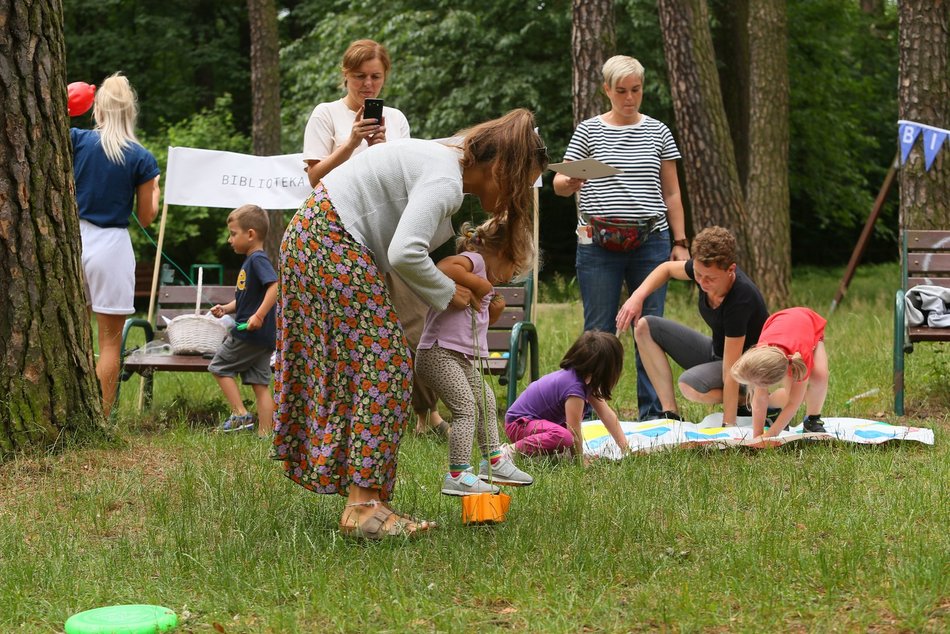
661	434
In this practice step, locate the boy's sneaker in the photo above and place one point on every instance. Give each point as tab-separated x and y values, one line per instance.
505	473
465	483
238	422
668	415
813	425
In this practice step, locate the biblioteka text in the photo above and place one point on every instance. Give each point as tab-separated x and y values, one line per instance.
262	183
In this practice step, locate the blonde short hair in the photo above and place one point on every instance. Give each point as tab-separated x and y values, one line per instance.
620	66
763	366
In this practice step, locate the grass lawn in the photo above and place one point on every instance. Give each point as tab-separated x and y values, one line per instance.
829	537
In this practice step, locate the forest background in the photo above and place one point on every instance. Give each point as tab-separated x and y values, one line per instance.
458	63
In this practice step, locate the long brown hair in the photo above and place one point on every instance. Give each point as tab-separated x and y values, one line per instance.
596	357
515	152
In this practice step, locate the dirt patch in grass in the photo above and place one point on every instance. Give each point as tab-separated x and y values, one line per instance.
23	480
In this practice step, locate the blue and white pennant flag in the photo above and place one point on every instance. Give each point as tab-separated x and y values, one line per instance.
932	137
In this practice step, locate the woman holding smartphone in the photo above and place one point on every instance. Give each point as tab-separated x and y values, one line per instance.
343	372
338	130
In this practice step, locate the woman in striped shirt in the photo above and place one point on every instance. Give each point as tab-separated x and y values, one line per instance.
626	221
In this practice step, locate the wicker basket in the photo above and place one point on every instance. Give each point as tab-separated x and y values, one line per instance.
195	334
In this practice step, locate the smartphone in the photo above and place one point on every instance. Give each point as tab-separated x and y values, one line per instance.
373	109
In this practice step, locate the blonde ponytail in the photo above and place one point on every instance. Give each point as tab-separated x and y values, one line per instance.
763	366
492	237
797	367
115	111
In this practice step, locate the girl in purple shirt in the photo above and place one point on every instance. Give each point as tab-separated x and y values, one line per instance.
546	418
446	359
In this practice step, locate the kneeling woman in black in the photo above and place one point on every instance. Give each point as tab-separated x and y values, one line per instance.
729	302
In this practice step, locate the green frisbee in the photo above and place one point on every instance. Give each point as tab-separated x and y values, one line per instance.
122	619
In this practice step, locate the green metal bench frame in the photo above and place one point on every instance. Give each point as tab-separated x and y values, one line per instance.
514	333
925	259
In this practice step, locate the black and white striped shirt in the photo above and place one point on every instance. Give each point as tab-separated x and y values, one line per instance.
635	149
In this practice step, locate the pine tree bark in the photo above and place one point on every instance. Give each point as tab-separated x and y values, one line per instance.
48	385
709	162
593	41
766	189
265	99
924	97
731	43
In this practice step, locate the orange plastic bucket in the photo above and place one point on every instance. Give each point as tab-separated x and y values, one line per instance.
485	508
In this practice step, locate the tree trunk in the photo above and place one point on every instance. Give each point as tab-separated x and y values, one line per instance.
265	97
767	196
592	43
709	163
731	41
873	7
48	384
924	97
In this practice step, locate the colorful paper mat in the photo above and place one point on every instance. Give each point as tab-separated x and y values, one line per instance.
656	435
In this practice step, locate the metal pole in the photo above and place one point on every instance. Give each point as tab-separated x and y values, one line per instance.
866	233
154	291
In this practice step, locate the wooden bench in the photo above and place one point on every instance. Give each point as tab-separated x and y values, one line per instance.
172	301
925	259
514	340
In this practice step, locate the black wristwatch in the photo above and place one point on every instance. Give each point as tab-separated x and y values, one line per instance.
682	242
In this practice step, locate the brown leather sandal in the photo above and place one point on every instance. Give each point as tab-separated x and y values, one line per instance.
422	526
374	528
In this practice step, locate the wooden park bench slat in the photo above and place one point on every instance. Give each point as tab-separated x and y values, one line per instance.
171	302
925	259
513	336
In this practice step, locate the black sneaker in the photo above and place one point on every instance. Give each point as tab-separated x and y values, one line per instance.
813	425
670	415
770	414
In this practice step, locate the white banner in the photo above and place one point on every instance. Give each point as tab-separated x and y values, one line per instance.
209	178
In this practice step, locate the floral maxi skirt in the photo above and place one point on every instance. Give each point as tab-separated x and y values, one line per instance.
343	374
